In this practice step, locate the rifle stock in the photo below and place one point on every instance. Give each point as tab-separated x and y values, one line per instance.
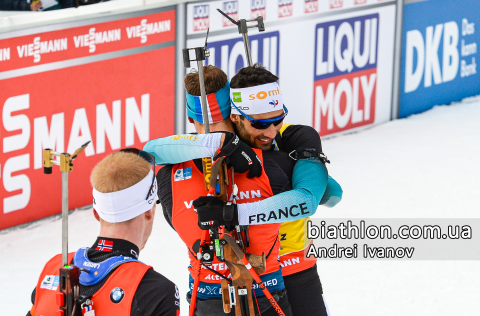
69	291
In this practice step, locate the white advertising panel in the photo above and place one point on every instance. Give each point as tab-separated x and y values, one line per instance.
334	58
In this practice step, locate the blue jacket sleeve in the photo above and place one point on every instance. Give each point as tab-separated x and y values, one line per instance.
180	148
333	193
309	182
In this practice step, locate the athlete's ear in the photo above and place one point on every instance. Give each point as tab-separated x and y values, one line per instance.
234	118
97	217
149	213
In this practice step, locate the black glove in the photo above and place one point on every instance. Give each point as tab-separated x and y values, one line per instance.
213	212
240	156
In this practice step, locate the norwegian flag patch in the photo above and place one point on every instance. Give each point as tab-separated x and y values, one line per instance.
105	245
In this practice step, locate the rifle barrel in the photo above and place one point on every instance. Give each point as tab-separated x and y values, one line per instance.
204	96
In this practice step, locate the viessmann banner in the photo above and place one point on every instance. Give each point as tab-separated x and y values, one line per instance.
108	82
439	54
334	58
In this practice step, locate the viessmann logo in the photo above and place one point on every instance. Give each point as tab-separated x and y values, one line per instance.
345	73
39	47
231	9
4	53
25	136
201	17
94	38
144	29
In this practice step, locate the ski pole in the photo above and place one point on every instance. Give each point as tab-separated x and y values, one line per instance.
69	274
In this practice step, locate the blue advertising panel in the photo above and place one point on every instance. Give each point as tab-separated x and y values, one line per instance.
439	54
229	54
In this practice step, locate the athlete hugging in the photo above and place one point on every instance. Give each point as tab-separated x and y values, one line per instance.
281	177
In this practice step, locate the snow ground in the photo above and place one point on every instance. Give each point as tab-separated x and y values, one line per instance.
425	166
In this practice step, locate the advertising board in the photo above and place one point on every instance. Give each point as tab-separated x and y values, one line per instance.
439	54
108	82
334	59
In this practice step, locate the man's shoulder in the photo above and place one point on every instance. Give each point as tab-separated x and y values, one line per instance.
156	295
295	136
153	276
291	128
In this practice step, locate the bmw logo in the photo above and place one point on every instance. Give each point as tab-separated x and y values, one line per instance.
116	295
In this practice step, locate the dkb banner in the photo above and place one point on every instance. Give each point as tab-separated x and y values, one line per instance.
439	54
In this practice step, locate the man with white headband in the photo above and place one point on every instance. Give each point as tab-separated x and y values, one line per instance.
258	111
278	165
124	202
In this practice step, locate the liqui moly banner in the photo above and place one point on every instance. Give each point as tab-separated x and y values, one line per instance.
439	54
108	82
335	67
345	73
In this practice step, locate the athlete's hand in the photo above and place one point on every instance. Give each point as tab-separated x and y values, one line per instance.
34	6
240	156
213	212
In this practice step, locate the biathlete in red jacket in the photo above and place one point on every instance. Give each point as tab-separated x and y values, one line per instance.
277	166
124	192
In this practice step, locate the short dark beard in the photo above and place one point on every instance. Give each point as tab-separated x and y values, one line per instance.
242	133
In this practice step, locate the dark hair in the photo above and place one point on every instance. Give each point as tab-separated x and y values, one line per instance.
252	76
215	79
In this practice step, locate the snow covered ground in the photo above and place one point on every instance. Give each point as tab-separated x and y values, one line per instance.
425	166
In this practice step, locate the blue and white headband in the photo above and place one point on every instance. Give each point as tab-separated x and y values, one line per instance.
218	105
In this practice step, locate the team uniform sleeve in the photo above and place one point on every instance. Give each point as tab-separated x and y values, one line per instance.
296	137
164	180
309	182
180	148
333	193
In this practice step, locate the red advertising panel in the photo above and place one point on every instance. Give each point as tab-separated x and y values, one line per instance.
121	97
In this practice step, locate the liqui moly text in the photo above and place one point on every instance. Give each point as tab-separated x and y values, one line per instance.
345	73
